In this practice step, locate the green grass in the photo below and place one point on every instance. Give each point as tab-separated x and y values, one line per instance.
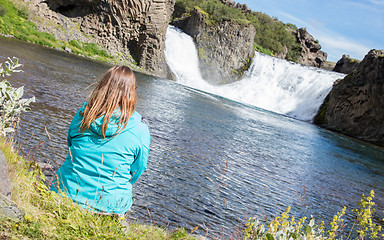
262	50
50	216
14	21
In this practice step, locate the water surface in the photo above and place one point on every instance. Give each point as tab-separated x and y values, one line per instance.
213	162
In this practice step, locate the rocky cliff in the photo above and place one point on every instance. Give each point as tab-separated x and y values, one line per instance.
311	54
126	28
355	104
346	64
225	48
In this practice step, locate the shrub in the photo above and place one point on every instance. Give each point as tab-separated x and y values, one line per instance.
11	103
284	227
259	48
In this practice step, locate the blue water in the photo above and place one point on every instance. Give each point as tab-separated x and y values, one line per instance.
213	162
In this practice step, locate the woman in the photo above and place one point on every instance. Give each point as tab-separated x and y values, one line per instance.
108	146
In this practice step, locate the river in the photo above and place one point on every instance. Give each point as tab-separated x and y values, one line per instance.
214	162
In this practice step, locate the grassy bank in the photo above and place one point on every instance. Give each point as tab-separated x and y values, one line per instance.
49	216
15	22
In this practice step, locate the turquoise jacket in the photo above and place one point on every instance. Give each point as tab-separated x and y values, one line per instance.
98	173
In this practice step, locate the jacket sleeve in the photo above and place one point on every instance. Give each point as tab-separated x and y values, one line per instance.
141	159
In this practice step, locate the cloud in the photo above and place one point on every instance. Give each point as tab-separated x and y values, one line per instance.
377	2
293	19
336	45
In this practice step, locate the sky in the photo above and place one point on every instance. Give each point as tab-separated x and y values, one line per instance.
350	27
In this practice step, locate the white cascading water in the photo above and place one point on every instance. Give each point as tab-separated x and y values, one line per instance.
270	83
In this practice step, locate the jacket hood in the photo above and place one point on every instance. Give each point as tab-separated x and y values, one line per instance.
113	123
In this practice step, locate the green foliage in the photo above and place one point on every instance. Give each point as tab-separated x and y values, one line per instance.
14	21
88	49
216	10
335	224
284	227
320	115
262	50
272	36
11	103
291	26
364	218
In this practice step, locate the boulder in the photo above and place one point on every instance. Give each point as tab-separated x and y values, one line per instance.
225	48
355	104
346	64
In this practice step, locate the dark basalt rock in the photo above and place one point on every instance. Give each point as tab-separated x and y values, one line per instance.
355	105
346	64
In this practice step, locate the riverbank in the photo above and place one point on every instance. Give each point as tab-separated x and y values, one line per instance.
46	215
15	23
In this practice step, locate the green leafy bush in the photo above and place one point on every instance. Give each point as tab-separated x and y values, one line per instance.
259	48
11	103
217	11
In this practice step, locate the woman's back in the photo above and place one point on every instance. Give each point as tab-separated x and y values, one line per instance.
104	160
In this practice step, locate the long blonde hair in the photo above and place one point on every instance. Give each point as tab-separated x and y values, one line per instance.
115	90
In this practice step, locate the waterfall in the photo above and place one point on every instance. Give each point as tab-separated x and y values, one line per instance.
270	83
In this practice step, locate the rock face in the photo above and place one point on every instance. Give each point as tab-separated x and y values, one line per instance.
355	104
7	208
225	48
311	54
126	28
242	7
328	65
346	64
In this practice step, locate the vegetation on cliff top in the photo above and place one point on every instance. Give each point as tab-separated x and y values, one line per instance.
272	36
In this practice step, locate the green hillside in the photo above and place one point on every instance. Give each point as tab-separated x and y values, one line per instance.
272	35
